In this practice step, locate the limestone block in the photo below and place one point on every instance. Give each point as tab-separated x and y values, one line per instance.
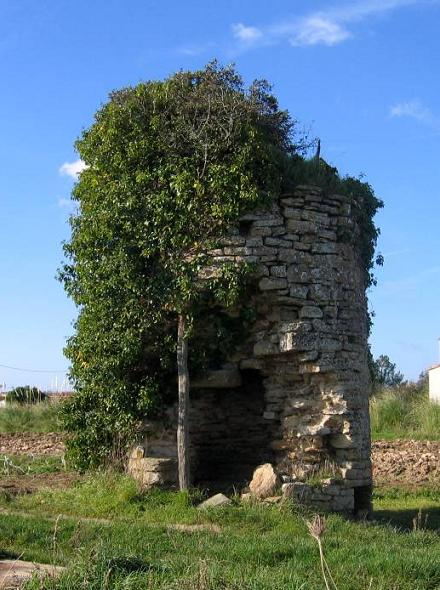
137	453
260	231
215	502
301	227
280	231
296	274
278	242
299	291
341	441
233	241
238	251
278	271
310	311
265	348
325	248
292	213
265	251
297	341
298	491
151	471
264	481
268	222
256	242
269	284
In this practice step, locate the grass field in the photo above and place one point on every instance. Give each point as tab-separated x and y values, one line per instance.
112	536
40	417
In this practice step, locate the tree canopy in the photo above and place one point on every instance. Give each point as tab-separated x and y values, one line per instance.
385	373
170	165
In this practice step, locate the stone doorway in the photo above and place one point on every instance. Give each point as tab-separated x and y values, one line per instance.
229	434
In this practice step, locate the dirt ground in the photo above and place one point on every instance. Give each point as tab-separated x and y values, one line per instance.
30	443
406	462
398	462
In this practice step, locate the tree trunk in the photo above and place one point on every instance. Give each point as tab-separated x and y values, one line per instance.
183	418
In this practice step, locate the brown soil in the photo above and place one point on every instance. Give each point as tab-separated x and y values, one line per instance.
28	484
30	443
406	462
394	462
13	573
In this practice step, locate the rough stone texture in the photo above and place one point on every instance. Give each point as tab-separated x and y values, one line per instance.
296	392
215	502
327	496
264	481
152	471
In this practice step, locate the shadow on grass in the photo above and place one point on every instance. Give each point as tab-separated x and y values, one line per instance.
427	519
8	555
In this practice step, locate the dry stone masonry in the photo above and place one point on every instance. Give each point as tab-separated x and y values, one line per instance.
295	394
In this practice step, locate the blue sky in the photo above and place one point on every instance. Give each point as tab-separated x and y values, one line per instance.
362	76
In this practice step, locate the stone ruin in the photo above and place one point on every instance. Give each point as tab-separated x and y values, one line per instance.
295	394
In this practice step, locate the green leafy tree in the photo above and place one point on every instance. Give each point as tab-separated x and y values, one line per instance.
170	166
384	373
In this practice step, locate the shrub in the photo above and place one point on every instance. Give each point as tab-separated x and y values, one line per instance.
25	395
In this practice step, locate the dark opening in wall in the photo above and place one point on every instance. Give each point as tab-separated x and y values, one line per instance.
229	435
362	501
244	226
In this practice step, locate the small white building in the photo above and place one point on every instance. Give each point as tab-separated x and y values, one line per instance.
434	383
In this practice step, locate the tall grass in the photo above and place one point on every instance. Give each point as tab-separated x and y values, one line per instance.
40	417
404	412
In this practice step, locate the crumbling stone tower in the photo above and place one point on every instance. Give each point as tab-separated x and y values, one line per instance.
296	392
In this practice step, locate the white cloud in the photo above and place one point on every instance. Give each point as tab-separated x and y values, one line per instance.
413	109
72	169
246	34
319	29
327	27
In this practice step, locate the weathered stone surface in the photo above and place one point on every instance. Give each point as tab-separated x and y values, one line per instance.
294	393
341	441
264	481
267	284
219	379
215	502
153	471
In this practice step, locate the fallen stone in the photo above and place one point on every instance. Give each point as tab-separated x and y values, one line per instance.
264	481
215	502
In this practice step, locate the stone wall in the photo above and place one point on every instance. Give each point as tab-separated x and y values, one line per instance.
296	392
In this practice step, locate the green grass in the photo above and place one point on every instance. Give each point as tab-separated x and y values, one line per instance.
131	545
40	417
17	465
400	414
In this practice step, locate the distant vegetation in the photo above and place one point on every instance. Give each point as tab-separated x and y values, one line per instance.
25	395
40	417
405	411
